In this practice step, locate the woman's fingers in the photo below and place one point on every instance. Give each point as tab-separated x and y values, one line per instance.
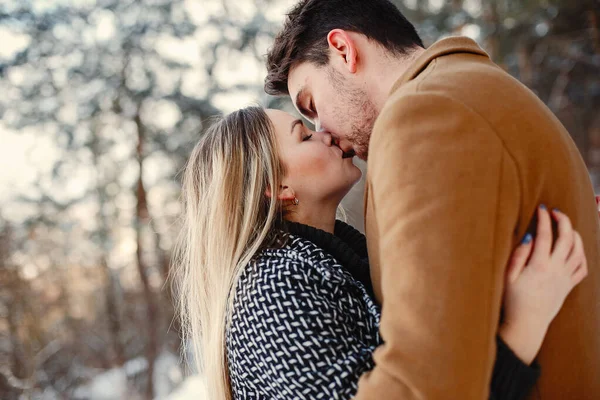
519	258
579	274
565	241
577	256
579	265
543	238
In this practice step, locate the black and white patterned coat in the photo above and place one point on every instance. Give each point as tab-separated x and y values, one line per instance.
302	327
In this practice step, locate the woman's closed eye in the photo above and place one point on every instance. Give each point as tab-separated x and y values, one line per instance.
303	133
298	124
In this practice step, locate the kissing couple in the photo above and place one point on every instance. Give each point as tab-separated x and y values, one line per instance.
479	274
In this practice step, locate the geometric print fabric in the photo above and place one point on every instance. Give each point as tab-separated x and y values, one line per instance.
301	327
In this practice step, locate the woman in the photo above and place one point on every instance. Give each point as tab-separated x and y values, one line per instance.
275	294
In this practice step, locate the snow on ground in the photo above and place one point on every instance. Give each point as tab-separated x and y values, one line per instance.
192	388
169	382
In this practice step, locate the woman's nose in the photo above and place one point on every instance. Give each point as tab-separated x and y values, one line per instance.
327	139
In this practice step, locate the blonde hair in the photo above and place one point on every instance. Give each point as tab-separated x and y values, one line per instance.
227	218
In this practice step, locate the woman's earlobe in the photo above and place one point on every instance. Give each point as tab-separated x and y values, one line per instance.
285	193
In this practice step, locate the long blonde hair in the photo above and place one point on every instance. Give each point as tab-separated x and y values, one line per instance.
226	219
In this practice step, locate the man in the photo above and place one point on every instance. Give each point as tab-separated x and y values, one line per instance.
459	157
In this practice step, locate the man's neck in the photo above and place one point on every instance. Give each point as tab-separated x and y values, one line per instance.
388	72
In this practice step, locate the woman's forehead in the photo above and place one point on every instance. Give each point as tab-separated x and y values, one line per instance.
279	118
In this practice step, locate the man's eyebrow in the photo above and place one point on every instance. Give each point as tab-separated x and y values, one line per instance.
294	123
299	105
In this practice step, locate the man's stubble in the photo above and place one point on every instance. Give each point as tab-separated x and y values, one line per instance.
356	107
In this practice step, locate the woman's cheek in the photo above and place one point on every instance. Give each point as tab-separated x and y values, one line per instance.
322	164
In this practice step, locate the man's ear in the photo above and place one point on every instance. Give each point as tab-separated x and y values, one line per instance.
344	47
285	193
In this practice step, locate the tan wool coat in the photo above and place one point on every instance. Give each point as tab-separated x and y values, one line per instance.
460	158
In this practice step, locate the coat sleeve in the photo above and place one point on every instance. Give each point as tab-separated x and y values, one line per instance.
445	197
299	334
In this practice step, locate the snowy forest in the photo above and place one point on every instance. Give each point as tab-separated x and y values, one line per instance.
101	102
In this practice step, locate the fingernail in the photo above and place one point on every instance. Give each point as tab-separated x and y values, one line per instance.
543	206
527	239
556	210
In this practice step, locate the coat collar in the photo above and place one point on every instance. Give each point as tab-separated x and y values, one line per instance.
451	45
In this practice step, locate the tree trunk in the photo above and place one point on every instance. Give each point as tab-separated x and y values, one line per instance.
142	218
110	298
164	263
493	41
457	5
594	18
18	365
112	311
12	290
525	67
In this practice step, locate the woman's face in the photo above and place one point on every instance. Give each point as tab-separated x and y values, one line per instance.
315	168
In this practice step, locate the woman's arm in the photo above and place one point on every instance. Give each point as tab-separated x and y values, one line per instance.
512	379
539	278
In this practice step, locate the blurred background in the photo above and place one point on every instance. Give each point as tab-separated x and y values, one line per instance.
101	102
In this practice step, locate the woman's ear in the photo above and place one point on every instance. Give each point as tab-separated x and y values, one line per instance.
285	193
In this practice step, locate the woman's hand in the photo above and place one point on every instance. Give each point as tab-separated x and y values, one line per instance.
538	280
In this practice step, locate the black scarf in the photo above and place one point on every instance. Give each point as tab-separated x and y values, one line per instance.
347	245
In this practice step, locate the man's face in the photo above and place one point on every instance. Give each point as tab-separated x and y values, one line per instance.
335	104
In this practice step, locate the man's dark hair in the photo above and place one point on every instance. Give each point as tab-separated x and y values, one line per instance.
304	35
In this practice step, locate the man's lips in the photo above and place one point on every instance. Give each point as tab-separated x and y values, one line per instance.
348	154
